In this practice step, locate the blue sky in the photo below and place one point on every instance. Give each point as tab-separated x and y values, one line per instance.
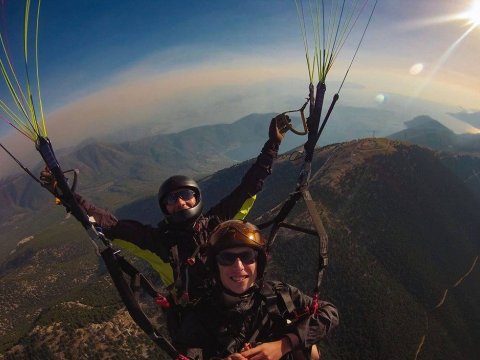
106	65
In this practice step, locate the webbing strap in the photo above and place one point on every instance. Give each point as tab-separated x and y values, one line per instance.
287	301
319	230
116	266
277	222
44	147
140	280
314	132
271	295
322	234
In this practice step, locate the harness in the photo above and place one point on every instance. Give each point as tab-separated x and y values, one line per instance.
116	264
326	49
301	190
276	299
201	229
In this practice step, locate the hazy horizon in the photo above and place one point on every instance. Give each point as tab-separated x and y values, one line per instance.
171	66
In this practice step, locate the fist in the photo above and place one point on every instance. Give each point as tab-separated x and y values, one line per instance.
278	127
48	181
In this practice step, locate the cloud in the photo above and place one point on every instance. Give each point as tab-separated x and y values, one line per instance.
168	92
170	96
223	89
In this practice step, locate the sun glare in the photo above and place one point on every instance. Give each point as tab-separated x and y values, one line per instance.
473	14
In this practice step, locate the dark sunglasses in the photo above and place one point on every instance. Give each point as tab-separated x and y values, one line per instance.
226	258
185	195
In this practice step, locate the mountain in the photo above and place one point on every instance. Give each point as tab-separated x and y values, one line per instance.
466	167
426	131
472	118
462	150
402	229
115	173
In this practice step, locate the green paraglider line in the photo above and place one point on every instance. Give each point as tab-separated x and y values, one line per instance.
39	96
20	164
31	104
13	72
29	125
301	18
325	57
359	43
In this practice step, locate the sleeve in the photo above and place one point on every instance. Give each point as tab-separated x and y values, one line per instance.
143	236
311	328
102	217
238	203
193	336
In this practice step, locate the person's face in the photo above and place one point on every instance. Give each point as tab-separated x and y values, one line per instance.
240	275
180	199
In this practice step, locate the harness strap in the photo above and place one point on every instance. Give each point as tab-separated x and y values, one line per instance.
139	281
117	266
287	301
270	296
321	233
319	230
277	221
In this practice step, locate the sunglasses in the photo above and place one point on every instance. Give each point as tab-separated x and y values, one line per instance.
185	195
226	258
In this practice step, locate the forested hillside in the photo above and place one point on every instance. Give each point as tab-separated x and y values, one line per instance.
402	229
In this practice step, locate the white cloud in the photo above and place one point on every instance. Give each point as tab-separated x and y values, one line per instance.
222	86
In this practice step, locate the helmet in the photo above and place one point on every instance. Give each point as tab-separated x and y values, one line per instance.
175	183
237	233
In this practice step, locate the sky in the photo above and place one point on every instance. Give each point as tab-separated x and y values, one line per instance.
169	65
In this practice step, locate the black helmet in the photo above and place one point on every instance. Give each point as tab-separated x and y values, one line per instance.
237	233
175	183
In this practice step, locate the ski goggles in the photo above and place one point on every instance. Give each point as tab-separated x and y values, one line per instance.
227	258
237	231
185	195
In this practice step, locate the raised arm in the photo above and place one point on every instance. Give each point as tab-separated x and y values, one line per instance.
238	203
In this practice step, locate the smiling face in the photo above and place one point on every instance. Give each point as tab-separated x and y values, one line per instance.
180	199
239	276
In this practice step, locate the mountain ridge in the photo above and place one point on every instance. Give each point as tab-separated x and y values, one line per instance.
426	131
402	229
106	168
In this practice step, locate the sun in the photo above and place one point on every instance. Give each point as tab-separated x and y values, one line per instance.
472	15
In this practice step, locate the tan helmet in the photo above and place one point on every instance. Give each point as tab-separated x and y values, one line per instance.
237	233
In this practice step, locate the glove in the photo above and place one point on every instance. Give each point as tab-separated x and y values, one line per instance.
48	181
278	127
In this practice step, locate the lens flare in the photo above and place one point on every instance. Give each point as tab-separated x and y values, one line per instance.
416	69
380	98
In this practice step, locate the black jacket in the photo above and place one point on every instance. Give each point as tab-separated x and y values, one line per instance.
213	329
176	244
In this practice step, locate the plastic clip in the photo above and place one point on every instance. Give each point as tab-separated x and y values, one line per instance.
162	301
